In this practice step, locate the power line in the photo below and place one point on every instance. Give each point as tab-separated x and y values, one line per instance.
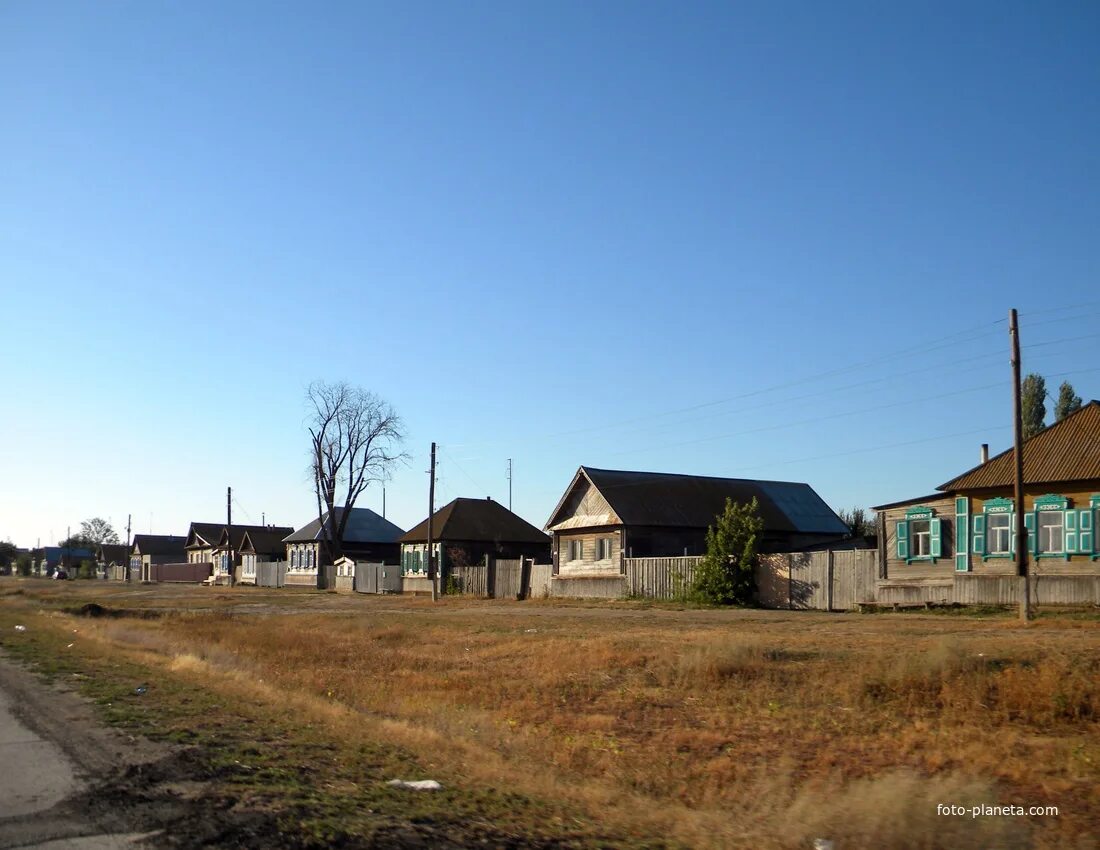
814	420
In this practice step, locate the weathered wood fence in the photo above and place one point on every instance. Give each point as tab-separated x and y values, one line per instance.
184	573
827	581
501	578
659	578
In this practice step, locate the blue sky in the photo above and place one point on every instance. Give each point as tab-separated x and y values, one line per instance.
774	240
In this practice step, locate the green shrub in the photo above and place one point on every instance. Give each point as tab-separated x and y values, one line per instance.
726	575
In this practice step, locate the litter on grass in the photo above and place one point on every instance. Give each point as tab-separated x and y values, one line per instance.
416	785
20	628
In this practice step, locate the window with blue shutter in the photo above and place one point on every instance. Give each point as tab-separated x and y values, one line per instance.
995	524
1055	538
919	535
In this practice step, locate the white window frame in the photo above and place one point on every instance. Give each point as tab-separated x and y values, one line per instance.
1041	527
576	549
920	542
991	550
604	548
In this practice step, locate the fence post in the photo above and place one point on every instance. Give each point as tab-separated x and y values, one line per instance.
490	577
829	575
790	581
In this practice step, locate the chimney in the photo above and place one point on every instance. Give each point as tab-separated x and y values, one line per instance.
985	452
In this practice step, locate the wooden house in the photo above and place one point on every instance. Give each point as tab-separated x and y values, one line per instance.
967	526
149	549
608	515
212	543
368	536
465	531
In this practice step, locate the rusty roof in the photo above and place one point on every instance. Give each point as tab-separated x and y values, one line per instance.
1066	451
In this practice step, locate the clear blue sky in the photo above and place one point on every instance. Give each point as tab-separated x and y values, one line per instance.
772	240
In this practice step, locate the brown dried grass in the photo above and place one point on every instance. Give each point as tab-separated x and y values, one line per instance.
765	731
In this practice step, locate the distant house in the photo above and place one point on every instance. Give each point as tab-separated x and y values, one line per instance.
202	537
465	531
254	542
109	555
150	549
967	527
50	558
367	537
209	542
607	515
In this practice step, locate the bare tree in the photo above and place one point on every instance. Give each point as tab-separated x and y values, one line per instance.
355	441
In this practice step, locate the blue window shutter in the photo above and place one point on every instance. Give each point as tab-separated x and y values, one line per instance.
1071	531
1029	524
903	540
937	544
962	531
979	534
1085	536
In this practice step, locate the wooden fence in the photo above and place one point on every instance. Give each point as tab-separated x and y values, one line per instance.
502	579
183	573
827	581
659	578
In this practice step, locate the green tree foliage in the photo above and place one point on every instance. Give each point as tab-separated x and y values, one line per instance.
1068	402
1033	394
863	523
23	565
8	553
726	574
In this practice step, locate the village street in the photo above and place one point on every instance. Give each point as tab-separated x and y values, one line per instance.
51	752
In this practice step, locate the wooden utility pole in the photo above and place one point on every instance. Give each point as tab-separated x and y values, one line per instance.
1018	465
229	531
509	484
431	510
129	570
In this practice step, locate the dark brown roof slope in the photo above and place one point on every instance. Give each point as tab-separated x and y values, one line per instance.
1066	451
159	544
262	540
476	520
693	501
266	538
112	552
208	531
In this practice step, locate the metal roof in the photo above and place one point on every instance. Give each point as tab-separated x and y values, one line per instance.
1066	451
694	501
364	526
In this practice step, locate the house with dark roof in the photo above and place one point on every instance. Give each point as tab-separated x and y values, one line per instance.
608	515
368	536
967	527
209	542
149	549
465	531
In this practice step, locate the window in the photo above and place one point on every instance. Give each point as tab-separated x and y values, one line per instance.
294	559
998	534
603	549
920	538
1051	528
919	535
576	550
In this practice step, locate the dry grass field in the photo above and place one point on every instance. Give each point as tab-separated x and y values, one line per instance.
620	724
